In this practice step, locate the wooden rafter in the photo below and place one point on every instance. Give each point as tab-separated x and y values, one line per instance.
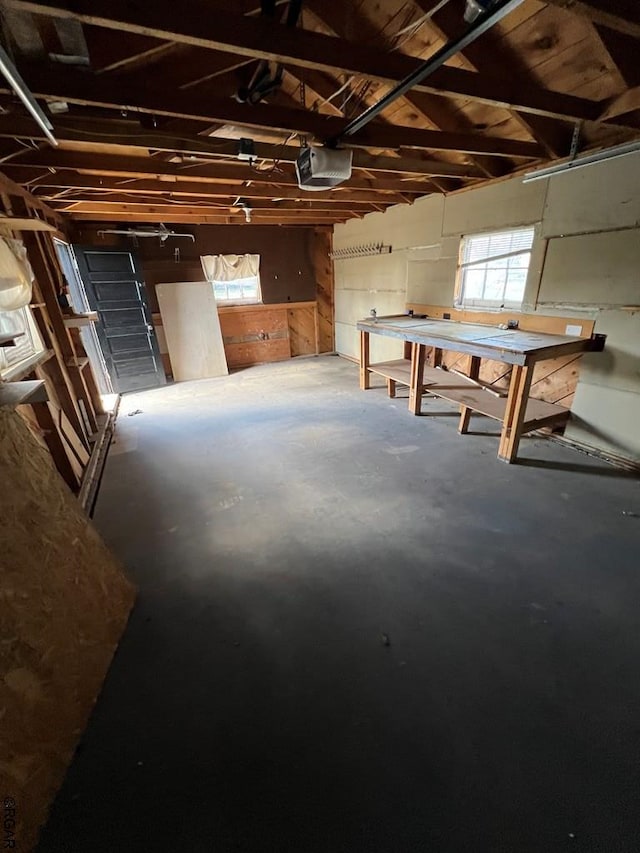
491	52
436	112
50	184
262	39
129	134
36	165
86	89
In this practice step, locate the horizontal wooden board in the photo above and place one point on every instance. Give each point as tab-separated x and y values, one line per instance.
526	322
243	355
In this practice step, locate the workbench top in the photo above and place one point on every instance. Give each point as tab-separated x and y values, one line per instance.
509	345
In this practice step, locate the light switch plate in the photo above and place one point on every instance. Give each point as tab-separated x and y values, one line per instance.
573	331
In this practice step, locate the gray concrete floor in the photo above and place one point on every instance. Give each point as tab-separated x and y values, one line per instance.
278	523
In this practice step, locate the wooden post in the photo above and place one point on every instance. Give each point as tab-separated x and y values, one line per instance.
465	411
364	361
418	355
436	357
391	387
515	412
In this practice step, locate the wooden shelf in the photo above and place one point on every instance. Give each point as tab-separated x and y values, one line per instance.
8	339
23	393
460	390
76	320
80	363
399	370
466	393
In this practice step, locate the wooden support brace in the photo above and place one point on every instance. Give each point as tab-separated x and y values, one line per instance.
465	411
515	412
365	378
391	387
418	357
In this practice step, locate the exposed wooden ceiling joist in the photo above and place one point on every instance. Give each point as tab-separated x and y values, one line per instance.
200	219
34	164
490	52
87	89
193	23
200	189
114	132
212	204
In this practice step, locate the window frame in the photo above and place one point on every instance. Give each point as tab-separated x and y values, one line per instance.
242	300
487	305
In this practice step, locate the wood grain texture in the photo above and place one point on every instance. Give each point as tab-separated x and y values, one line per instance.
192	328
65	603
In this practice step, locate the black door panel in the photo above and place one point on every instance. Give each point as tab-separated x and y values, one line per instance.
116	290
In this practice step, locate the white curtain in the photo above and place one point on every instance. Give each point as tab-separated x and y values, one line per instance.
230	267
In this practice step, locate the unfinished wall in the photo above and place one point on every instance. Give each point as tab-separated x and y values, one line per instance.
287	271
586	263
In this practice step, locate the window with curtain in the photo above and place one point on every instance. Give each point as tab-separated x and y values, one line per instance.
235	278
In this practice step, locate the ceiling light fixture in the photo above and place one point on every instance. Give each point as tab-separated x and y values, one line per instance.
579	162
18	85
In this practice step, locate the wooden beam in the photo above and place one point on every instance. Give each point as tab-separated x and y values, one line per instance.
191	23
86	89
132	135
53	184
436	112
204	219
620	15
491	51
11	188
144	166
185	210
627	102
67	203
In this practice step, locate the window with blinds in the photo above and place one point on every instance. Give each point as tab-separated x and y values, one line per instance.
493	269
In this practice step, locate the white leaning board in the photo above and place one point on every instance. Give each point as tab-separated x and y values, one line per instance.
192	329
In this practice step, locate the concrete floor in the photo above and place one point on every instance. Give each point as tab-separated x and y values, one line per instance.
279	522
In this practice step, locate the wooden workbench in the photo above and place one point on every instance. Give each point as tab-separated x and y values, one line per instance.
516	411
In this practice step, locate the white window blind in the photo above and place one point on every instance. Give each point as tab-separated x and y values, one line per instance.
493	268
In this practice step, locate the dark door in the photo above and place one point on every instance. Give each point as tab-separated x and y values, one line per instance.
116	290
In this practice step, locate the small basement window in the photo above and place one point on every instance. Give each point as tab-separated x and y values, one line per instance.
235	278
493	269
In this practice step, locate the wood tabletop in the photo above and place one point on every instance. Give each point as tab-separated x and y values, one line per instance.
509	345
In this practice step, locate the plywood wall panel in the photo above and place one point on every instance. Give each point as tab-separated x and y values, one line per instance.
192	328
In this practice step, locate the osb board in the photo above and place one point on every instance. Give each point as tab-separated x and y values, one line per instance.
302	330
64	603
192	327
246	354
526	322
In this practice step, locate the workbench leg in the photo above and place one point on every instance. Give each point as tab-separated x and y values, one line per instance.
515	412
465	411
365	376
418	354
391	387
436	357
